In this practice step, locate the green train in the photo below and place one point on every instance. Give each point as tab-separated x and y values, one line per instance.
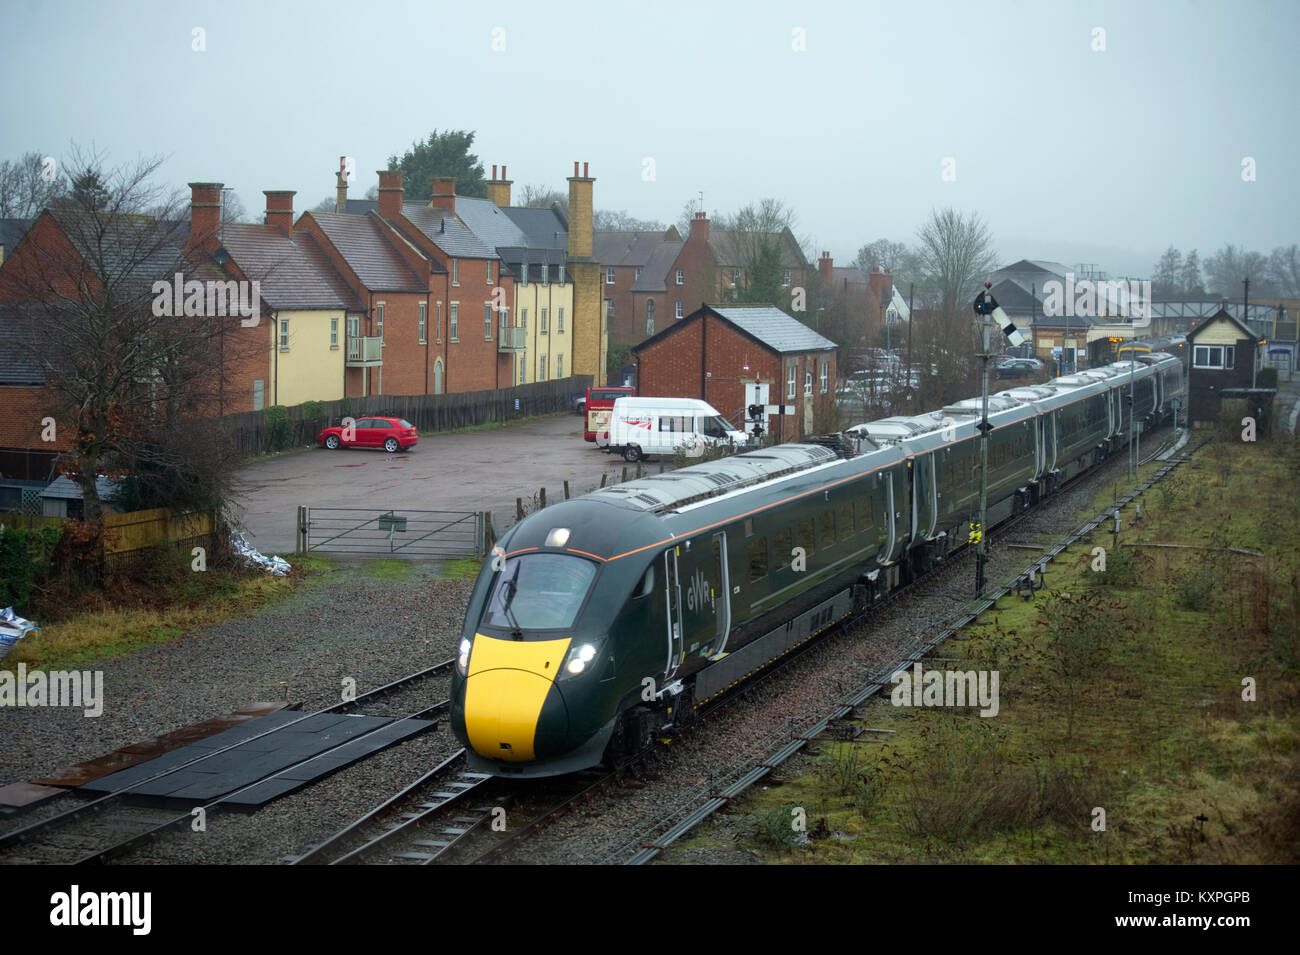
604	620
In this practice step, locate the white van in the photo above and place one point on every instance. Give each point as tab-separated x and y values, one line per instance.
641	426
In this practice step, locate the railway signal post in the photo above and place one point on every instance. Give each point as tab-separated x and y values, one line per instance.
987	308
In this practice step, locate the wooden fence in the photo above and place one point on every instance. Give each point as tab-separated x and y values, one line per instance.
248	430
137	530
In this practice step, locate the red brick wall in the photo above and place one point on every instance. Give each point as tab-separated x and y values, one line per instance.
699	275
20	425
671	367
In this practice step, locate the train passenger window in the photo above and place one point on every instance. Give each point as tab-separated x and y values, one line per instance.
781	548
804	536
863	504
749	527
827	525
757	549
647	583
845	520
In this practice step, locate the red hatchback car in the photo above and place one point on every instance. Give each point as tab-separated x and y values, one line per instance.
387	433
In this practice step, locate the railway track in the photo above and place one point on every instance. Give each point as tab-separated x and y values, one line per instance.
107	827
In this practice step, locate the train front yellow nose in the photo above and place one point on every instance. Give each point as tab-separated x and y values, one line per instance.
504	693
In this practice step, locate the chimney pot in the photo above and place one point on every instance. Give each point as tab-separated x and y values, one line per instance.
494	173
503	173
575	169
584	170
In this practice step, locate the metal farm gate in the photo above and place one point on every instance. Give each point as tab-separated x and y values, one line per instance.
416	534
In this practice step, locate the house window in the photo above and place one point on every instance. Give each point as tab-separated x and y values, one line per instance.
437	322
609	308
487	323
678	312
681	277
559	327
790	378
453	322
609	276
559	273
638	273
1213	356
523	277
826	368
259	394
489	272
334	332
523	372
785	280
505	323
650	312
807	383
379	320
284	334
546	274
523	319
735	276
455	272
541	368
650	324
559	366
424	321
542	326
354	326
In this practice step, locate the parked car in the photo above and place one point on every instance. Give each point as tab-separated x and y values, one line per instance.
1017	367
391	434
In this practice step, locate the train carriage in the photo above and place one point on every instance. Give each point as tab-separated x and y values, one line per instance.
605	619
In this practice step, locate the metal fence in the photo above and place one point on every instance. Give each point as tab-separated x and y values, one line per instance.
414	534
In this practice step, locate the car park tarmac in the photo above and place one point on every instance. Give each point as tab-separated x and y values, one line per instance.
454	471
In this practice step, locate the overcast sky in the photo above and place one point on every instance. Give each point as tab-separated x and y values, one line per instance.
1068	152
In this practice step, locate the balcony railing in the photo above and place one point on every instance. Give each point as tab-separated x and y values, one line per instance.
364	351
511	339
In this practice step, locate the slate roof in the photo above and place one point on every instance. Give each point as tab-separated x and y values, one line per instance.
542	228
727	249
447	231
127	251
537	259
63	487
766	324
628	248
293	270
774	328
359	207
362	242
490	223
654	274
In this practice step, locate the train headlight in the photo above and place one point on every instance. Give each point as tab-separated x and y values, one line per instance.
580	657
462	659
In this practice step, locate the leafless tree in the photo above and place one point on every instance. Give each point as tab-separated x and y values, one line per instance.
28	185
232	207
618	220
1284	270
135	389
956	256
543	197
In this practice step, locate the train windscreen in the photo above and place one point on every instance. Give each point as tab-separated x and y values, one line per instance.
539	592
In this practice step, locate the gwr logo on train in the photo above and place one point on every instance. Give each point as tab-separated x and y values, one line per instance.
698	593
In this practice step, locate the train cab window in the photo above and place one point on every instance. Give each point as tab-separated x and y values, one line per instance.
845	520
863	504
539	592
647	583
827	526
781	547
757	552
804	536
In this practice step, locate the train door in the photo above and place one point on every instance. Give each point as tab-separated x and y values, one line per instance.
723	601
673	595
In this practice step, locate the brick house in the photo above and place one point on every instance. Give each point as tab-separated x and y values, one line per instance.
717	349
1222	348
308	301
632	270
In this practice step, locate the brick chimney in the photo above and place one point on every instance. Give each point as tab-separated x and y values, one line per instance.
444	193
205	216
824	266
279	208
700	226
581	238
390	193
498	190
341	187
